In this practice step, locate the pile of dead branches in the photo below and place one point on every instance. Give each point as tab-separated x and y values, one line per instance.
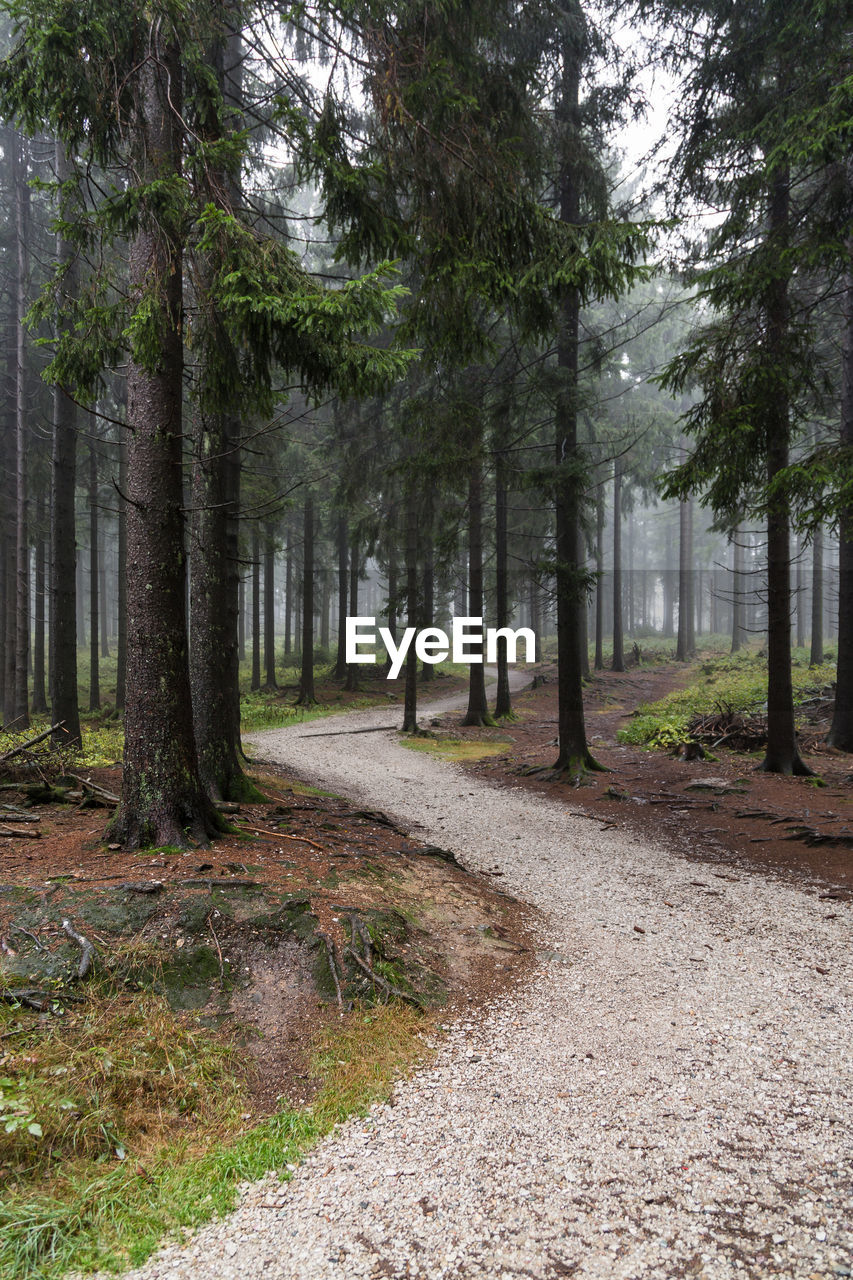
725	727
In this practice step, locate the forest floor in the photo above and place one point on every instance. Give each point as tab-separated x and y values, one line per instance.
630	1041
666	1094
723	811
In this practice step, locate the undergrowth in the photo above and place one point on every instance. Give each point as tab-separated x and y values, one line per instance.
735	682
136	1122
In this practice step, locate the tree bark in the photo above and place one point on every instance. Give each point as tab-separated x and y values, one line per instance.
63	551
739	592
256	609
816	651
352	668
94	606
478	708
163	801
599	579
22	593
307	697
686	644
503	700
618	663
269	609
841	731
288	594
121	585
343	561
782	754
573	756
39	694
410	707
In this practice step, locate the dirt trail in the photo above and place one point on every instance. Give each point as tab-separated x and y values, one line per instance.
670	1096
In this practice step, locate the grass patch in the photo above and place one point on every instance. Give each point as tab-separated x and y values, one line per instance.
136	1124
734	681
457	750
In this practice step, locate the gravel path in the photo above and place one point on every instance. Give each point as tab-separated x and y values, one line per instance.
670	1096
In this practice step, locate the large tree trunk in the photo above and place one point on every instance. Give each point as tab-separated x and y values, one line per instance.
22	602
163	801
478	709
94	606
63	551
618	663
841	731
215	552
782	754
503	701
214	599
307	697
573	756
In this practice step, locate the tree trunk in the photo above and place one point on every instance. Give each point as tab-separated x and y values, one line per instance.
428	601
343	560
816	653
782	754
618	663
686	644
410	707
351	685
39	694
573	756
256	609
163	801
503	701
269	609
841	732
121	591
288	595
241	619
393	602
599	578
63	551
738	593
307	697
22	604
94	605
478	709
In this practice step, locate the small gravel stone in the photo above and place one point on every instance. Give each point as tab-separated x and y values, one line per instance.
630	1113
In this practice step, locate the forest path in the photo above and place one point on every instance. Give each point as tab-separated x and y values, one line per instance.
669	1095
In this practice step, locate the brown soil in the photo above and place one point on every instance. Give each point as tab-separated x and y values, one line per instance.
453	936
724	813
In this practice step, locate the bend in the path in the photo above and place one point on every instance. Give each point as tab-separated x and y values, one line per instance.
670	1097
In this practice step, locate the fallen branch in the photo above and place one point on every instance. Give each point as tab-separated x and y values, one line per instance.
87	949
21	835
280	835
31	742
107	798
